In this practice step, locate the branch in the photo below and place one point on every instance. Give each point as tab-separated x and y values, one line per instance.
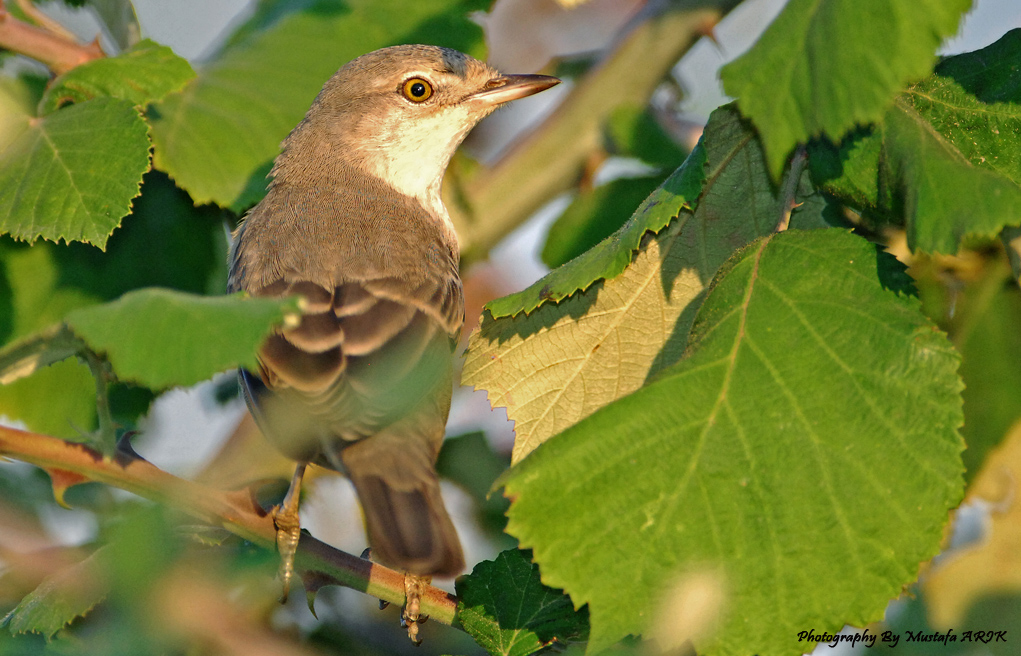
69	463
45	22
551	159
59	53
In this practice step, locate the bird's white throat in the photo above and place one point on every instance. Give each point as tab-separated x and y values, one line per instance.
412	156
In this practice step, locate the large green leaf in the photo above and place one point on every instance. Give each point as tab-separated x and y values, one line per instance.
145	73
946	159
160	338
557	365
509	612
959	156
810	435
71	175
824	66
219	136
612	255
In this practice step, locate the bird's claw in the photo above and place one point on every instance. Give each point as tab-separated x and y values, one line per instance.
288	527
411	615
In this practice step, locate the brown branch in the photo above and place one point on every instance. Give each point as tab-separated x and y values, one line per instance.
235	511
60	54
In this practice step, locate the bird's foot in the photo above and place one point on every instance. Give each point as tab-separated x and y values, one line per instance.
288	525
411	615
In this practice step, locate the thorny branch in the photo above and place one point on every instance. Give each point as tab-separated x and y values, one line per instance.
69	463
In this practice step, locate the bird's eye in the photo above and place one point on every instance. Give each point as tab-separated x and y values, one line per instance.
417	90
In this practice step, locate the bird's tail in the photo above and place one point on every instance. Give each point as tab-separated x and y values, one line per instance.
408	525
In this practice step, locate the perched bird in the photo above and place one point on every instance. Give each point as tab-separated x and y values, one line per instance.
354	225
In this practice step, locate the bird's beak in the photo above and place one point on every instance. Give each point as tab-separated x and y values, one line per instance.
505	88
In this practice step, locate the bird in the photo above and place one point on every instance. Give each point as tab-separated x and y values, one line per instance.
353	225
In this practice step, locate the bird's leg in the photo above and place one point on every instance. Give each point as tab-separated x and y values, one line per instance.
288	525
411	616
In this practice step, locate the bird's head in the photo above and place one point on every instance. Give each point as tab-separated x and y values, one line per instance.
400	113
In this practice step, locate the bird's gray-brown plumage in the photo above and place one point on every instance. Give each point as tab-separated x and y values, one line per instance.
353	224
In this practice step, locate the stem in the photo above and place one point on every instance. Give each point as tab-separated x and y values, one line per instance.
788	197
1011	237
44	21
60	54
235	511
100	373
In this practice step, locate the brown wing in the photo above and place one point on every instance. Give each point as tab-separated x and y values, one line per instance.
364	355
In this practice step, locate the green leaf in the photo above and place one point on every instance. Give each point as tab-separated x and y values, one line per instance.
161	338
986	332
981	311
594	215
613	254
71	175
944	162
25	357
562	362
219	136
990	346
470	462
59	399
958	160
164	242
991	73
850	170
60	598
810	435
634	132
143	74
824	66
507	609
18	98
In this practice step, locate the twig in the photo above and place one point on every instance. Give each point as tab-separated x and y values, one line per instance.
44	21
235	511
1011	237
100	373
58	53
788	199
